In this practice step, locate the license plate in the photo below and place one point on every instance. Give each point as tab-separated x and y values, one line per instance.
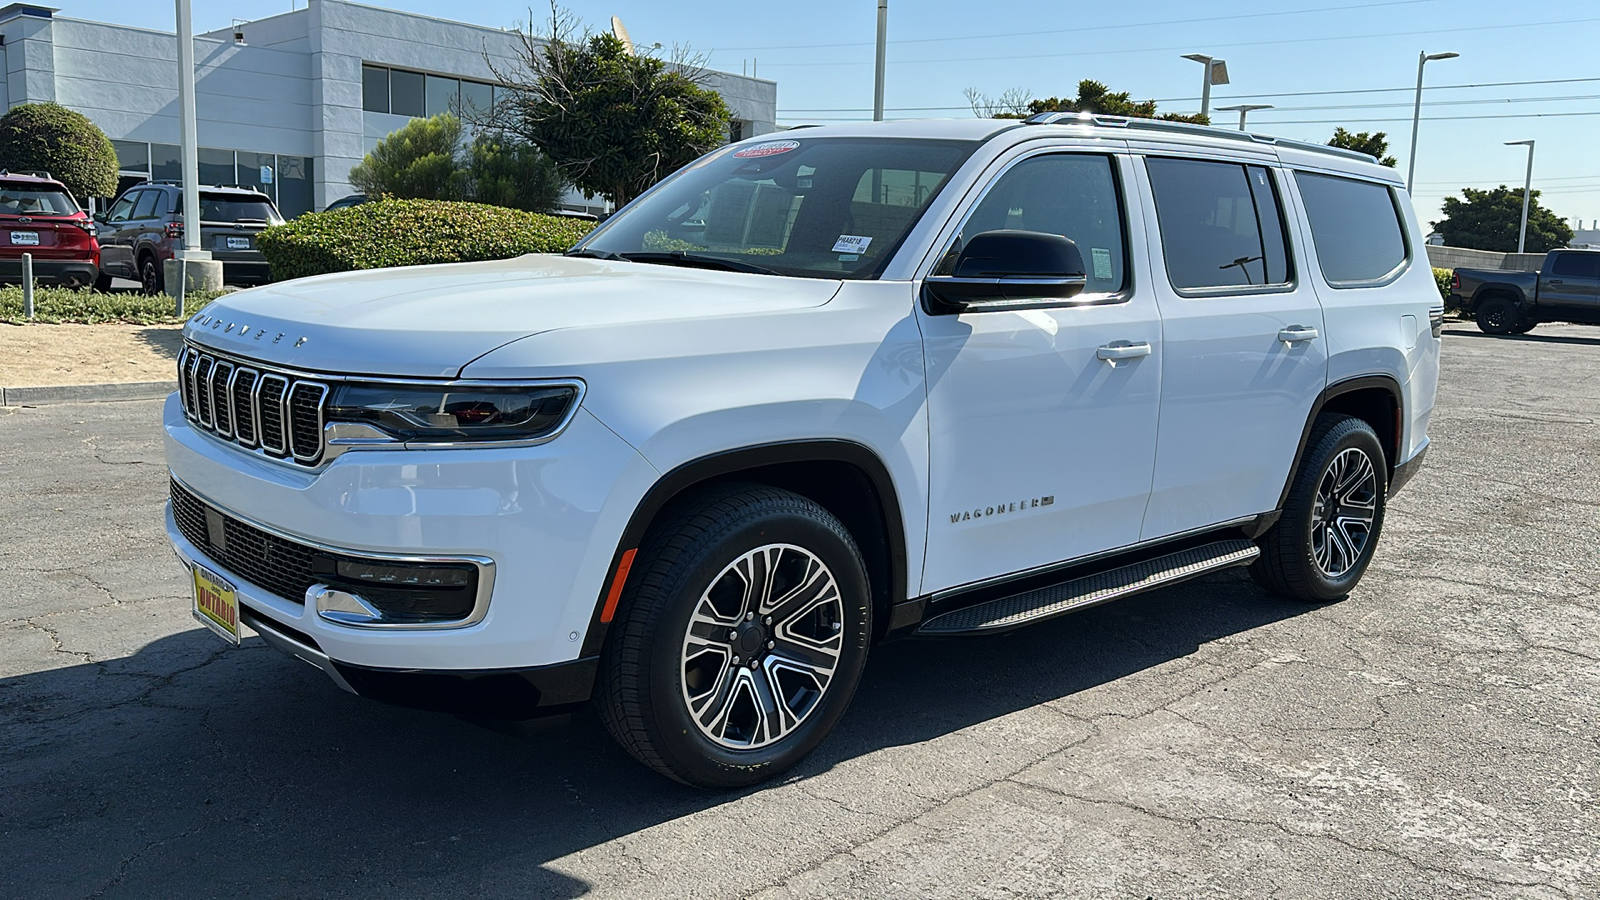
238	243
216	604
25	238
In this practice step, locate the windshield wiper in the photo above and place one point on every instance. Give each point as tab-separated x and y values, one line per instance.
586	253
699	260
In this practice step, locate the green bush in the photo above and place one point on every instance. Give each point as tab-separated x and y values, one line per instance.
51	138
1442	277
58	306
411	233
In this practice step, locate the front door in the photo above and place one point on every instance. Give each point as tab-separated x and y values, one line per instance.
116	256
1242	331
1572	286
1040	450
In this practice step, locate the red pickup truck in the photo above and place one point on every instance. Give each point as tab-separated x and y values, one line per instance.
1565	289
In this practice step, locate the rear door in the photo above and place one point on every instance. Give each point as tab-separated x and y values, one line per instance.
1573	284
1242	333
1040	446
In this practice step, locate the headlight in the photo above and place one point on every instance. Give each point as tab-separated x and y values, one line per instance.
451	413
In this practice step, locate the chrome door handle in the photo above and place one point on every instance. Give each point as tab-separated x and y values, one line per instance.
1122	350
1296	333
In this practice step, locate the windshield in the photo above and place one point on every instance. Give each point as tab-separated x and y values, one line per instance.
817	207
16	200
233	208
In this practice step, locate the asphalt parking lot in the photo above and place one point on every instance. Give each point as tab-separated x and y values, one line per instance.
1435	735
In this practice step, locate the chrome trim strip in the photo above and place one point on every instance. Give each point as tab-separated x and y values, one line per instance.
288	405
340	377
485	566
183	378
249	406
283	643
226	409
203	390
281	448
194	384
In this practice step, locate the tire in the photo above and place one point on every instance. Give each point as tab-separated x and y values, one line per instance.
1522	328
1497	315
669	690
1306	557
151	278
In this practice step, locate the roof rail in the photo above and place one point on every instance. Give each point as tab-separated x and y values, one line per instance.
32	173
1104	121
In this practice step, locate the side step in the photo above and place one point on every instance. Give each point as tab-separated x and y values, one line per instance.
1052	601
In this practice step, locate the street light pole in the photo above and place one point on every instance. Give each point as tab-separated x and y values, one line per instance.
188	139
1527	186
883	36
1216	73
1423	58
1242	109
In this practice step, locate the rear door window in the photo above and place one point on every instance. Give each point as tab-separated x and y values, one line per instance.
1576	265
146	207
34	200
1221	224
1355	226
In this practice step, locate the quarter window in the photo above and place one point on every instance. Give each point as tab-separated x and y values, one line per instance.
1220	224
1355	226
1071	194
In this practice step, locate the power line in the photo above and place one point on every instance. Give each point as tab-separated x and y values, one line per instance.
983	37
1214	46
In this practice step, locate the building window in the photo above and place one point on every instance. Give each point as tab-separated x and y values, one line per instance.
735	131
443	95
375	89
164	163
476	97
217	167
406	93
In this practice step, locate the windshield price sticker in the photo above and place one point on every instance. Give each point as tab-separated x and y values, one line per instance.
1102	263
851	243
770	148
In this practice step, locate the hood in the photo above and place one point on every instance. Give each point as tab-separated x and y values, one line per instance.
430	321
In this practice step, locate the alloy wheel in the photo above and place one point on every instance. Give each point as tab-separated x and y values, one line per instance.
762	646
1343	513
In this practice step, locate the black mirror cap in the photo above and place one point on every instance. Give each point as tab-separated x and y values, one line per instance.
1010	252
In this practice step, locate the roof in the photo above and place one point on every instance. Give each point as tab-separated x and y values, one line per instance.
29	177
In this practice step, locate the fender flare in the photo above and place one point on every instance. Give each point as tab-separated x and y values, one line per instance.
730	462
1349	386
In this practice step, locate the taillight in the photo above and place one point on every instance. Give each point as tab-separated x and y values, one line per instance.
88	226
173	230
1455	280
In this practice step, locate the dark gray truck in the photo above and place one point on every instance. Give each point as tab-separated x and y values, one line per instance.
1565	289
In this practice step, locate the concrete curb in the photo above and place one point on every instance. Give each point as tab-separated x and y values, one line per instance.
86	393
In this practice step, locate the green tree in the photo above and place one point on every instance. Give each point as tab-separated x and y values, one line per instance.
615	122
1374	144
1093	97
1489	220
420	161
504	171
51	138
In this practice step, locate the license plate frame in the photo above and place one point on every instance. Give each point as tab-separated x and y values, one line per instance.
237	243
24	238
216	603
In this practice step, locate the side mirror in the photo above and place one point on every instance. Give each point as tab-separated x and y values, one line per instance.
997	269
99	217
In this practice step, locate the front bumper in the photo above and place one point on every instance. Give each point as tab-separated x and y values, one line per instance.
548	516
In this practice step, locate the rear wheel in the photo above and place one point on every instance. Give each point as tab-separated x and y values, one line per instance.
1497	315
150	274
1323	542
742	638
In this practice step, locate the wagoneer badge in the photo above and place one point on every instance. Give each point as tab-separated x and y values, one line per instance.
1000	509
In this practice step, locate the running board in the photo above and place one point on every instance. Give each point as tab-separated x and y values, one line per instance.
1049	602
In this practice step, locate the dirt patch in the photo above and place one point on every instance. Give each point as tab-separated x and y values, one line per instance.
33	355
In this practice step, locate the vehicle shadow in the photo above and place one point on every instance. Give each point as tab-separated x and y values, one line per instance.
194	769
165	341
1528	338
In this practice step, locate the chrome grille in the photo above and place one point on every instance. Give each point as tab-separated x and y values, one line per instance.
278	414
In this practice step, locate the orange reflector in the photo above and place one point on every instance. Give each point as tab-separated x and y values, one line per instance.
610	609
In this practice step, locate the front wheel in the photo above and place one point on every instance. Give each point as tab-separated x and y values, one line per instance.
742	637
1323	542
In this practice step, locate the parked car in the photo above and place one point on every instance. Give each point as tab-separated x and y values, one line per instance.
898	379
144	228
39	216
1565	289
346	202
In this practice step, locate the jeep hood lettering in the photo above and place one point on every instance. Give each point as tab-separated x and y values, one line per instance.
431	321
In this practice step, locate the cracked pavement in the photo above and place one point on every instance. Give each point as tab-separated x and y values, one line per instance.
1434	735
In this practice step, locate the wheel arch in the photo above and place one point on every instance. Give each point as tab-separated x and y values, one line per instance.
844	477
1515	293
1375	399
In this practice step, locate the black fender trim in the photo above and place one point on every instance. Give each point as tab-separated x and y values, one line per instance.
1349	386
497	693
719	466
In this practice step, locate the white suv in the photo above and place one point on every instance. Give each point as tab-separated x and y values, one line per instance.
810	393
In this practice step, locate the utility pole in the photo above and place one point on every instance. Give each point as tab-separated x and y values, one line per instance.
883	38
1423	58
1527	186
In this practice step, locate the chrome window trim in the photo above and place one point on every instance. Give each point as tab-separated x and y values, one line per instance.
484	565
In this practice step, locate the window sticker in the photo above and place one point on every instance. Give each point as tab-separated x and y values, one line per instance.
769	148
849	257
851	243
1102	263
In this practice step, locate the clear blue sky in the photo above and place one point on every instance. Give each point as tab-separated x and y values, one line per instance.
820	53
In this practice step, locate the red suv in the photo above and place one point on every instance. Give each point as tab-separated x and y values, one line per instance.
39	216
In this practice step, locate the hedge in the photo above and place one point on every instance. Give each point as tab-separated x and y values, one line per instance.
388	233
57	306
48	137
1443	277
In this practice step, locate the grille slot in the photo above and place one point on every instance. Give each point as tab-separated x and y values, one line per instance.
280	413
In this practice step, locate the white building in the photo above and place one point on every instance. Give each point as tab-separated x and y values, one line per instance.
288	103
